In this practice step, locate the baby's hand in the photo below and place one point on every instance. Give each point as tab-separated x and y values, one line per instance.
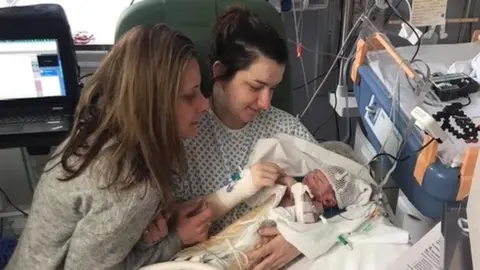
265	174
157	230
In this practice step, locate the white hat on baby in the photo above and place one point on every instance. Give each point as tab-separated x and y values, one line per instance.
343	183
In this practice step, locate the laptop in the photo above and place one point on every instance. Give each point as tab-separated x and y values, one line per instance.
33	95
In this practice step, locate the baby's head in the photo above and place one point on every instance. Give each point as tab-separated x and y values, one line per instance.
321	189
330	186
333	186
316	181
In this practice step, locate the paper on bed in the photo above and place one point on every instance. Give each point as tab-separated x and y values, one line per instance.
425	254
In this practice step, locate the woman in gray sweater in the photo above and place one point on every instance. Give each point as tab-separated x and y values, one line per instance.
113	174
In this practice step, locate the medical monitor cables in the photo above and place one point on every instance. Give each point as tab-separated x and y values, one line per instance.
300	49
340	53
419	38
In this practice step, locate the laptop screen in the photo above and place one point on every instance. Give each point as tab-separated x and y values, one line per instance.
30	69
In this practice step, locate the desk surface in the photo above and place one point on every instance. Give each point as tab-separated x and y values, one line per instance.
32	140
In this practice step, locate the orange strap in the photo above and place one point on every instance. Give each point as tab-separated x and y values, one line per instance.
427	157
467	171
476	36
360	55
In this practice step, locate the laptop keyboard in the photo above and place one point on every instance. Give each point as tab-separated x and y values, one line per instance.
39	117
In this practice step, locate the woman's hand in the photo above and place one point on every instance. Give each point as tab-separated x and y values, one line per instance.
265	174
193	222
273	255
157	230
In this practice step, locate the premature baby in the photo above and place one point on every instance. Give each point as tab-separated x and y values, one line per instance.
315	194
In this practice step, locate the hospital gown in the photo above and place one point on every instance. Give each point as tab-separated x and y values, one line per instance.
218	152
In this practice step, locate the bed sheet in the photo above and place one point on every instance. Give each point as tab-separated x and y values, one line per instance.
439	58
363	256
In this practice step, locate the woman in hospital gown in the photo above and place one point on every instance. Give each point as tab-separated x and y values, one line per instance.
248	59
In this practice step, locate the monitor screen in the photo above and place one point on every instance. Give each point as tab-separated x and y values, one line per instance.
30	69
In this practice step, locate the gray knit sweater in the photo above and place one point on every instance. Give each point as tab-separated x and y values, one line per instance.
77	225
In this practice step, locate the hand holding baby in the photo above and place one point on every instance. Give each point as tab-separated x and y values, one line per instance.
192	223
158	229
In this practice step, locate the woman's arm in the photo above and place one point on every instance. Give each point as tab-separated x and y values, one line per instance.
262	174
226	198
105	237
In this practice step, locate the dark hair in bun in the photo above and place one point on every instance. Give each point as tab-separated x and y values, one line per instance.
240	37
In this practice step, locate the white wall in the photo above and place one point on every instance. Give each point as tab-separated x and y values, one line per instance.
98	17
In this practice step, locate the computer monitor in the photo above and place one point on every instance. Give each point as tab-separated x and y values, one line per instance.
30	69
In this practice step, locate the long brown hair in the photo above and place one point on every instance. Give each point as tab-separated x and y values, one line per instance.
130	103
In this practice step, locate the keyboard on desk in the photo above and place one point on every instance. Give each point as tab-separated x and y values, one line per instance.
30	117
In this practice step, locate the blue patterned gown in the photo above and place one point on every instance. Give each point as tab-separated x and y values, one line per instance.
218	152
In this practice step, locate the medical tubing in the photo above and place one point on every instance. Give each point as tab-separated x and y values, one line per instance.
357	23
297	39
340	54
346	96
409	6
395	106
410	127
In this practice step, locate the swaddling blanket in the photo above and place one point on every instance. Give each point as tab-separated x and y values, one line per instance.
296	157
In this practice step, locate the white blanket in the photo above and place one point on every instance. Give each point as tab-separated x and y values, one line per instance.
365	255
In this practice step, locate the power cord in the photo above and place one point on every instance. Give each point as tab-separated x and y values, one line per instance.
10	202
391	13
396	158
312	80
337	128
86	76
335	101
419	38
